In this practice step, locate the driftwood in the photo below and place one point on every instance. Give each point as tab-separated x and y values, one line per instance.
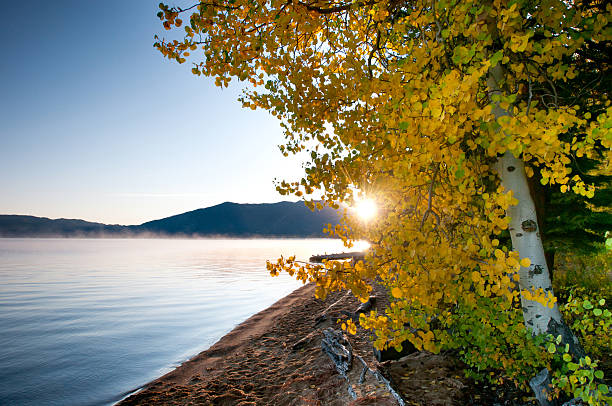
542	387
391	354
304	341
333	315
380	378
365	307
325	315
574	402
337	347
355	256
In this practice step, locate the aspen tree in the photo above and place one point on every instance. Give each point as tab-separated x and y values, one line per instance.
440	110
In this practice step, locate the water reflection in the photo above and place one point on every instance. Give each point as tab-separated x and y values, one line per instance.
84	321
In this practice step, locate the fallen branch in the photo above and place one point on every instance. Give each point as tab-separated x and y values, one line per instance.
380	378
336	345
355	256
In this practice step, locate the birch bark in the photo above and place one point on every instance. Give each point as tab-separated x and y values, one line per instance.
526	238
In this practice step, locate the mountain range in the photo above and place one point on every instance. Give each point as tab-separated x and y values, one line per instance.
283	219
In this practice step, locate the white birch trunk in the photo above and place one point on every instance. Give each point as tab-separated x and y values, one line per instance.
523	228
526	239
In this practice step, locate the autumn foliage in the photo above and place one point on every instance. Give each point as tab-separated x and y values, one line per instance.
393	100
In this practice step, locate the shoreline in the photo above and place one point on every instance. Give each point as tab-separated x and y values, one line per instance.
233	340
275	357
257	362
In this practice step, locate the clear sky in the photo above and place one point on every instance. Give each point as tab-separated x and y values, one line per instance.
95	124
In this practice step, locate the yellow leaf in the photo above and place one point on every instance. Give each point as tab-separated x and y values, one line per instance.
512	262
525	262
499	254
396	292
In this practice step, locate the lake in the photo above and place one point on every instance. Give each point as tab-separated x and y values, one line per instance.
87	321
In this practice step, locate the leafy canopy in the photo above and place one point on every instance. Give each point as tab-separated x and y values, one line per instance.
390	99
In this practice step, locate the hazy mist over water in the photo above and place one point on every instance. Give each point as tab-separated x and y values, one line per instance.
84	321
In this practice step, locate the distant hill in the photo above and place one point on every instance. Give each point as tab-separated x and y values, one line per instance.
284	219
30	226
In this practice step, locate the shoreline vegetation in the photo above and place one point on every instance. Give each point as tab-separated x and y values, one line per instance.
275	357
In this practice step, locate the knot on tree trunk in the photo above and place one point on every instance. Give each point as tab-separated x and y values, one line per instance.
529	226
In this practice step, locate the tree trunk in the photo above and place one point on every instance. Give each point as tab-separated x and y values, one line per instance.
526	239
550	261
538	194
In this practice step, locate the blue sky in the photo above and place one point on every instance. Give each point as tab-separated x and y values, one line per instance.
95	124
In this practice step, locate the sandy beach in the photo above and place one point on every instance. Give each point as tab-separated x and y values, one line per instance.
258	363
254	364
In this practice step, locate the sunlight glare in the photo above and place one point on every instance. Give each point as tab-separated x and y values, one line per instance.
361	245
366	209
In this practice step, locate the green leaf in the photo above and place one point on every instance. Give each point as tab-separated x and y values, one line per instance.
567	357
603	388
497	56
599	374
597	312
403	125
602	302
572	366
551	348
459	55
578	392
587	304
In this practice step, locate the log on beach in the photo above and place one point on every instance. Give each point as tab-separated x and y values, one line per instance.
355	256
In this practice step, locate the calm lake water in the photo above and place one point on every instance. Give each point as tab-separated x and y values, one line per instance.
86	321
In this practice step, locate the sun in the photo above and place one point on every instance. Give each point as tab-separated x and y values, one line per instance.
365	208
